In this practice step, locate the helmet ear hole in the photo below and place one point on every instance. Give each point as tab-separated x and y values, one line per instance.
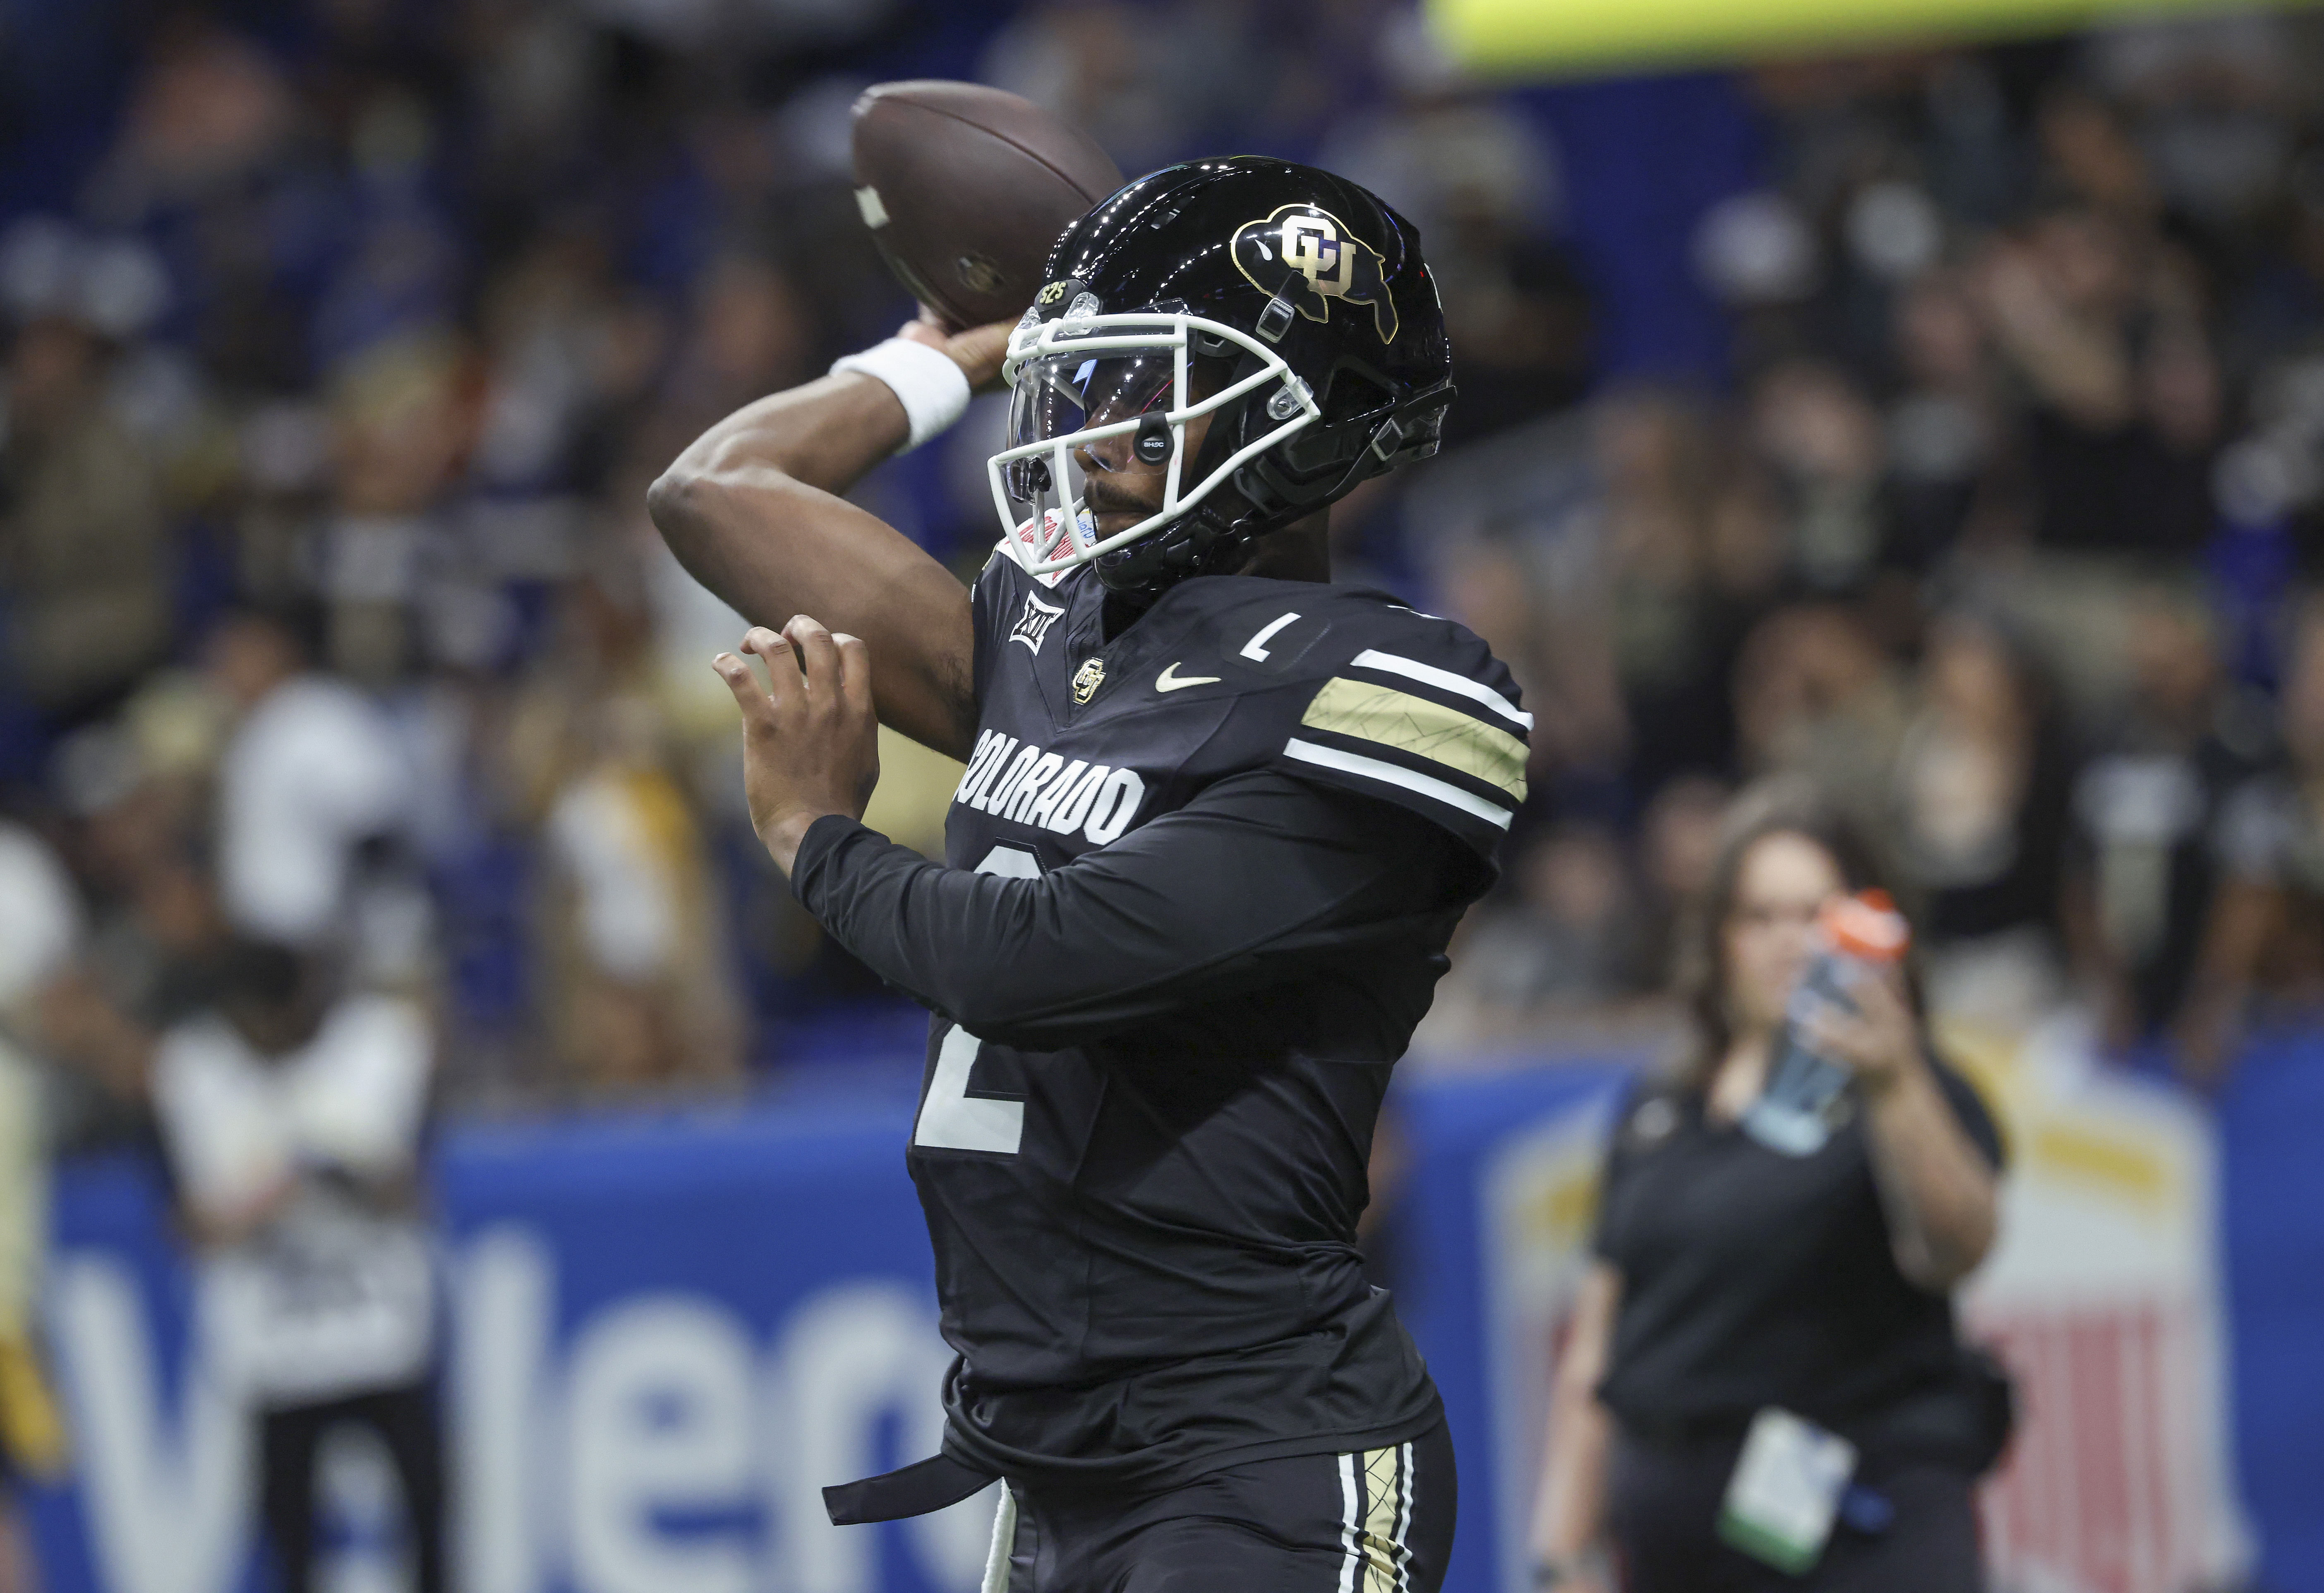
1354	390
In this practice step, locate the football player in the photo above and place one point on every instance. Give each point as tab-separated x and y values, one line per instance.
1219	819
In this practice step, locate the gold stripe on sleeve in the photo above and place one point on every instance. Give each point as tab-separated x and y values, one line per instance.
1425	728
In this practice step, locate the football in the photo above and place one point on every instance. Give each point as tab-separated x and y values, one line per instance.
964	187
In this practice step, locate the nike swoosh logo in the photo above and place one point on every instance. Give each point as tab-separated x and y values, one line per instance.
1170	680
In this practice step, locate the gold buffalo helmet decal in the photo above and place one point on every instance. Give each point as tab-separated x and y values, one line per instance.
1318	245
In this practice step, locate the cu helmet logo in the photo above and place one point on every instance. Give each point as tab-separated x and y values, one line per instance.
1335	262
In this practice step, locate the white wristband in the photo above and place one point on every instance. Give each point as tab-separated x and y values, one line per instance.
932	390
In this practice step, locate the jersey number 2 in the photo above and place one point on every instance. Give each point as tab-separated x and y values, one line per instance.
951	1119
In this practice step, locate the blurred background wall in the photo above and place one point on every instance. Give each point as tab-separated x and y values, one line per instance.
1943	422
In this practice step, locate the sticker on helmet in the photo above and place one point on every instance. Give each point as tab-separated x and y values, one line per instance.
1336	262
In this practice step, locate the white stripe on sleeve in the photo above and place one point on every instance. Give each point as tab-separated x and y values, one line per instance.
1403	1526
1444	680
1348	763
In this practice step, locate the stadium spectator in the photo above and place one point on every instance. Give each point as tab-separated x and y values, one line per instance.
312	791
1944	425
293	1124
41	926
81	534
2151	840
1816	695
1822	437
2102	327
1729	1278
637	997
1983	785
1678	842
390	317
130	806
2263	955
1565	948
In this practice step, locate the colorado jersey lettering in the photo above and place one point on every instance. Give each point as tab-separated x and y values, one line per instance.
1040	789
1145	1242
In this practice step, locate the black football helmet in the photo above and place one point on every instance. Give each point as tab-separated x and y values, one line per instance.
1288	305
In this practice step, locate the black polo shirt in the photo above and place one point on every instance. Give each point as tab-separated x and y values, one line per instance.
1751	1278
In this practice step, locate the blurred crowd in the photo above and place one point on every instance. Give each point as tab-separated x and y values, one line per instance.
336	370
2001	528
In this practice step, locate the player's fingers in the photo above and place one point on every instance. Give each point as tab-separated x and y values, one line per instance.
925	328
979	350
784	686
744	684
819	656
854	674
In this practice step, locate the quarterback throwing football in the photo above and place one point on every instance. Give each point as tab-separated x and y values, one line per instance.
1219	819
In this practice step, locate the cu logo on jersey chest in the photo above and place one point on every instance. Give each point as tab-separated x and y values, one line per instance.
1088	679
1314	243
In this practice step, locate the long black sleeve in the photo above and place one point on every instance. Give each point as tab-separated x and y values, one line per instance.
1259	879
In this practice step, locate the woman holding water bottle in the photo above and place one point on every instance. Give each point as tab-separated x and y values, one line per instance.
1763	1386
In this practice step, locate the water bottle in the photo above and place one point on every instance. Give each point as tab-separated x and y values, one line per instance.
1856	938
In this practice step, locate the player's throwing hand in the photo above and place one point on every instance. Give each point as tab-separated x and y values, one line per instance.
810	744
978	351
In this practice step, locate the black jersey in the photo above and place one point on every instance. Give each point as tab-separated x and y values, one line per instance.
1150	1100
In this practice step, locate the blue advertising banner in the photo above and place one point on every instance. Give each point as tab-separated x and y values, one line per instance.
1474	1145
664	1335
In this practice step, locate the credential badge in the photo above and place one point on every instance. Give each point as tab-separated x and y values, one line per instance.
1336	262
1654	1119
1032	626
1088	679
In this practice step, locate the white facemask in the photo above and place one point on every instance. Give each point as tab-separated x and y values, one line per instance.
1085	378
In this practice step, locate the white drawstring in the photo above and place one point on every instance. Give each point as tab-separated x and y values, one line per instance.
1004	1540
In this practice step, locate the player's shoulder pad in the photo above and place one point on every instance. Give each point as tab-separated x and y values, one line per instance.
1354	688
1000	570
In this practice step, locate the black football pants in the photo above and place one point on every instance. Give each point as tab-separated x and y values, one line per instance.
1376	1521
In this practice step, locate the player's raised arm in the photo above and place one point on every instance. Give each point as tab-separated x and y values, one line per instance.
751	509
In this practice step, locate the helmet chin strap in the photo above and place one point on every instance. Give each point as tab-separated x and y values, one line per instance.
1204	540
